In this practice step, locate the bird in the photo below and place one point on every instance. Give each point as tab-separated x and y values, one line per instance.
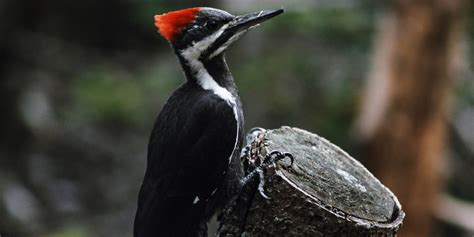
193	166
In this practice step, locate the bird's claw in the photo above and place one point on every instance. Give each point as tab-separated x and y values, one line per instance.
275	156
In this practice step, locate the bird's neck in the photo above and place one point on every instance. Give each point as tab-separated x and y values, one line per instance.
216	69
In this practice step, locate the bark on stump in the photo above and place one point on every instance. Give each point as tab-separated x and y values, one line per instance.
325	193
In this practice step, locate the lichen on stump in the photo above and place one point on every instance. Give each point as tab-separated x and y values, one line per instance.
324	193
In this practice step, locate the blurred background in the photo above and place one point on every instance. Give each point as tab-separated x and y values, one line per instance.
82	81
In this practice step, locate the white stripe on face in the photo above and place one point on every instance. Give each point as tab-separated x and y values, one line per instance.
192	54
205	80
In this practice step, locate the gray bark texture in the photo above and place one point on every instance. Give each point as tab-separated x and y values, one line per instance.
324	193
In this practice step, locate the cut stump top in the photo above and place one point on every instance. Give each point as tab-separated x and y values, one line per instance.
336	180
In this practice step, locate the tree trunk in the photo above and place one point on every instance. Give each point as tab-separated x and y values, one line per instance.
325	193
403	118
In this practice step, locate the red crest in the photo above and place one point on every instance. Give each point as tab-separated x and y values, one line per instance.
170	24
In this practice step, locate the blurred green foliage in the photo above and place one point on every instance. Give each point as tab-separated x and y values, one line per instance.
347	27
111	94
69	231
108	97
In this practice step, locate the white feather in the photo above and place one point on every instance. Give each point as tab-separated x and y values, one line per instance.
196	200
227	43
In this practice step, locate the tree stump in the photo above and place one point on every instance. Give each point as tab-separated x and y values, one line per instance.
325	193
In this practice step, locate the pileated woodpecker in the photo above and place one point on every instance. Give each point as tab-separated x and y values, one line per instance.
193	165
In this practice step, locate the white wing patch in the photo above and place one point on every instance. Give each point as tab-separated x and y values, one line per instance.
196	200
234	108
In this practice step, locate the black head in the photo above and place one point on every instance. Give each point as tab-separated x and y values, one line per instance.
203	32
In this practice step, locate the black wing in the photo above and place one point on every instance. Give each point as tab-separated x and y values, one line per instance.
190	145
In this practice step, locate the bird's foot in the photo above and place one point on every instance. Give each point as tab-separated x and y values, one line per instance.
256	158
255	149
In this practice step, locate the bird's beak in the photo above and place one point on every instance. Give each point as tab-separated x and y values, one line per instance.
245	22
238	27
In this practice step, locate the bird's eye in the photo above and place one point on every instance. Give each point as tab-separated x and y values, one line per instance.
212	25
